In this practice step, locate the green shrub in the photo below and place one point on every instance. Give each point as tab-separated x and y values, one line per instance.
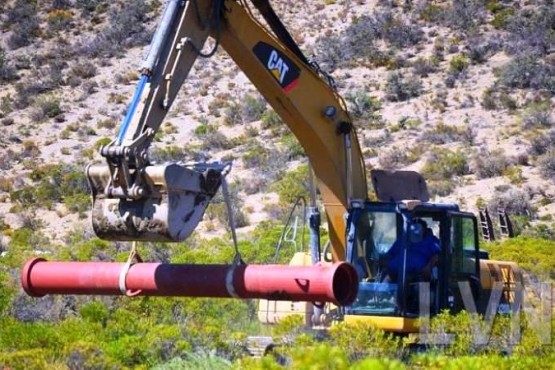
197	360
530	30
399	88
101	142
292	147
431	13
170	153
270	119
464	15
84	70
533	255
22	19
424	67
37	358
458	64
525	72
444	134
256	156
537	115
502	18
393	158
46	106
253	108
546	163
490	164
515	201
362	340
54	184
108	123
59	19
7	73
125	28
494	98
443	164
292	185
362	106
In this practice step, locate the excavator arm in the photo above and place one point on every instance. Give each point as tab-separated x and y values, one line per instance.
134	200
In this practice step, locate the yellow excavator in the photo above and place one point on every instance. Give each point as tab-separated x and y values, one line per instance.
136	200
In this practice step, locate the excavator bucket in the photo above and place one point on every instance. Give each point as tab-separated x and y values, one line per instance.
175	202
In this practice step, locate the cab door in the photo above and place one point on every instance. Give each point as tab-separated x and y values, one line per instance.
461	261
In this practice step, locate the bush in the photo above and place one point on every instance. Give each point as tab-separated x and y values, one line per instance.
253	108
270	119
83	70
256	157
250	109
541	143
532	254
458	64
292	147
430	13
443	134
423	67
357	41
537	115
59	19
393	159
46	106
363	106
292	185
502	18
7	70
494	98
465	15
108	123
546	163
531	31
490	164
479	50
444	164
171	153
331	52
232	114
398	33
514	201
24	24
398	88
441	188
126	29
525	72
89	6
60	183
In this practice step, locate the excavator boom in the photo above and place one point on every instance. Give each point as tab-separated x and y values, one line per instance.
133	201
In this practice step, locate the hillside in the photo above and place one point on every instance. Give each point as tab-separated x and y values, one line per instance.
461	91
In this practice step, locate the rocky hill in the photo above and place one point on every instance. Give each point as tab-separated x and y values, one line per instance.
462	91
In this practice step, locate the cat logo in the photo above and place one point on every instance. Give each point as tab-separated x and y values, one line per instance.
285	72
277	66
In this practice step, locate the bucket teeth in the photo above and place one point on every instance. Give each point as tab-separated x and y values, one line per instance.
176	199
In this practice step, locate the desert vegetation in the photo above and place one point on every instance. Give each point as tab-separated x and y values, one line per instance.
462	91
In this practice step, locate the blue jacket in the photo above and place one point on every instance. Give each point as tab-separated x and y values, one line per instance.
418	254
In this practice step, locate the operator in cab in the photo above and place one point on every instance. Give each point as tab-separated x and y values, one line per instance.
422	254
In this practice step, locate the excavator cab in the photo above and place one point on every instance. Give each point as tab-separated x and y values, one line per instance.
460	276
381	228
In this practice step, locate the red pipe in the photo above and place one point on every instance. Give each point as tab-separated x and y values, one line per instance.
335	283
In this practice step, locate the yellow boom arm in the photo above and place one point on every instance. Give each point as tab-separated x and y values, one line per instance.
295	89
